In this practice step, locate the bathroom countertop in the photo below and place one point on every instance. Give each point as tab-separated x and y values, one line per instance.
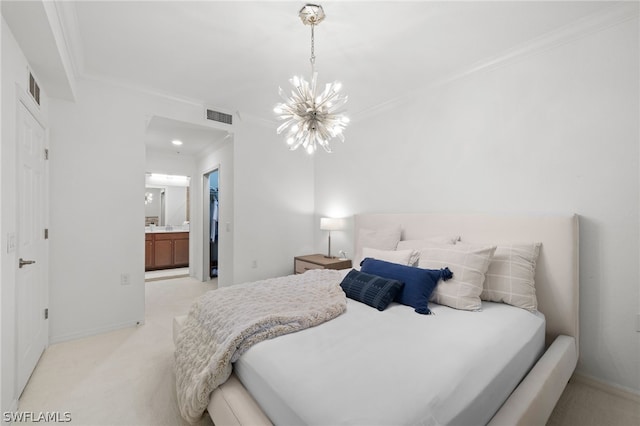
163	230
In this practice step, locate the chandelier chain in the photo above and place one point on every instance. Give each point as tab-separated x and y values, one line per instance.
313	53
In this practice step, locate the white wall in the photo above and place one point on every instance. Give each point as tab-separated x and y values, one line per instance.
274	202
96	142
99	141
556	131
14	81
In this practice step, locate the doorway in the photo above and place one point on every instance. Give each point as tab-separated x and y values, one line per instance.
167	218
213	222
206	147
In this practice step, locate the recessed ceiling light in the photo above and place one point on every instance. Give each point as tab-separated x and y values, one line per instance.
176	142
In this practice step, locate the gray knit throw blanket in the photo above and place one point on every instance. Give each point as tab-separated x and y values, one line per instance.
224	323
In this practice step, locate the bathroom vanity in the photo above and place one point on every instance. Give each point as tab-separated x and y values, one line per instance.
166	249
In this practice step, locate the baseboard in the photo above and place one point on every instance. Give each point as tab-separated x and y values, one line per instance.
606	387
93	332
169	277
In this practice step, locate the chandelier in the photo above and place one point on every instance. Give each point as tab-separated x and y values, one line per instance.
311	118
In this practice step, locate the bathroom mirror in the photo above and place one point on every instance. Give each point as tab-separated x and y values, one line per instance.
166	200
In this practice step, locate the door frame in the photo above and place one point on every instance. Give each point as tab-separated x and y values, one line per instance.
206	224
32	108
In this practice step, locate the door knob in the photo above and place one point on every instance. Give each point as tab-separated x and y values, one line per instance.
23	262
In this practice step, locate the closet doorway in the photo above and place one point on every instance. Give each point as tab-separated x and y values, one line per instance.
211	225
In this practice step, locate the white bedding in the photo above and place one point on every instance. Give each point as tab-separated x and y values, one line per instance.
453	367
222	325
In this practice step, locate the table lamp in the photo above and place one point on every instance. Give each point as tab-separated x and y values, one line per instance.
331	224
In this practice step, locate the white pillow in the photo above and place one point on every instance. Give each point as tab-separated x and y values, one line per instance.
510	277
468	263
403	257
380	239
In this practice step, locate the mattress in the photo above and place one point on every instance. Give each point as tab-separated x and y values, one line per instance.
395	367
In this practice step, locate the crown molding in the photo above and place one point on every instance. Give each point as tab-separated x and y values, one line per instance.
56	25
67	18
257	119
610	16
37	30
144	90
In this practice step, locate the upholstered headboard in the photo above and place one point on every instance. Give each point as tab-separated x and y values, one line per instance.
556	275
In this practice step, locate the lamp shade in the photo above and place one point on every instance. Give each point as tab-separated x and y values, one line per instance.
331	224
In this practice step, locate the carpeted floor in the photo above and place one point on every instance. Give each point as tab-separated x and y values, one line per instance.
586	404
124	377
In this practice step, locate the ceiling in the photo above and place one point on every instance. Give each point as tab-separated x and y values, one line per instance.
233	55
195	138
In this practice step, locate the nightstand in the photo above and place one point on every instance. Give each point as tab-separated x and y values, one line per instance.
319	261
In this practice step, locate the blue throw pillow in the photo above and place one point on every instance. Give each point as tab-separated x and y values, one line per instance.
419	283
374	291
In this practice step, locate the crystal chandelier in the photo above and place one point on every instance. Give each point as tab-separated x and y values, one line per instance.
311	118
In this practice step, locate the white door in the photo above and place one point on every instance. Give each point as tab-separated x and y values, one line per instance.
31	288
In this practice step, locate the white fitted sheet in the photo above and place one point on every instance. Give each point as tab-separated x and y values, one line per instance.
395	367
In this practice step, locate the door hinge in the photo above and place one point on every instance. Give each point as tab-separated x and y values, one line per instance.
46	313
46	153
46	233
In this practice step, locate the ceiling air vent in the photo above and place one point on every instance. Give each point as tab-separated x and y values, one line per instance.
220	117
34	89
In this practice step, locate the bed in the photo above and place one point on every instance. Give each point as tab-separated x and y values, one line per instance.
522	385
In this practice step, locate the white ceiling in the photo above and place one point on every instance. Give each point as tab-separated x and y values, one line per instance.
233	55
162	131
